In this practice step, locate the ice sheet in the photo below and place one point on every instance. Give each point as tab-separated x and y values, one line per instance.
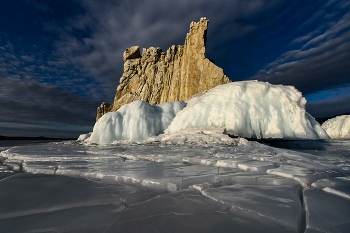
46	203
303	175
257	172
339	186
187	211
326	212
154	164
63	204
277	204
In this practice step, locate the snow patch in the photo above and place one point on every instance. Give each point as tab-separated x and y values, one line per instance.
208	136
83	137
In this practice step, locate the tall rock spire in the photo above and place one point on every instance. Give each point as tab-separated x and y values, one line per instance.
177	74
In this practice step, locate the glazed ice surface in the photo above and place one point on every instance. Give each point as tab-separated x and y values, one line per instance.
227	182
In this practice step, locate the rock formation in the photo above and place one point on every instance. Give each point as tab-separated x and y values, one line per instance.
159	77
103	109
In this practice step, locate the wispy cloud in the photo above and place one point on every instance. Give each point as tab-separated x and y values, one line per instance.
30	102
322	60
39	88
31	63
97	39
329	107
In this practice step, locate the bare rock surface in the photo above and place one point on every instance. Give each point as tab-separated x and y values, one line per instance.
103	109
177	74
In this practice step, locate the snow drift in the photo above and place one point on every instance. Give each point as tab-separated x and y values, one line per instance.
338	127
83	137
135	121
250	109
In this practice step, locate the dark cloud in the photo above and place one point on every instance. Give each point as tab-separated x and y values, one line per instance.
32	63
329	107
37	130
244	36
36	109
32	102
113	26
60	59
322	60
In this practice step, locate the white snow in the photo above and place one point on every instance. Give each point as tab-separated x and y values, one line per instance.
202	136
250	109
338	127
135	121
83	137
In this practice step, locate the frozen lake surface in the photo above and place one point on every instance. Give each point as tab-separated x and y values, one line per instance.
295	186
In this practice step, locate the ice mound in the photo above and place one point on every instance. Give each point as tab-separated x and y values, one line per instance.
338	127
83	137
250	109
135	121
199	137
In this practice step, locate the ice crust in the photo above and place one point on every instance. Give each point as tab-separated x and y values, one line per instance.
135	121
277	204
326	212
338	127
339	186
179	181
250	109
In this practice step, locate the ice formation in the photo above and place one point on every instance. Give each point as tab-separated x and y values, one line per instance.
83	137
246	109
196	137
338	127
135	121
250	109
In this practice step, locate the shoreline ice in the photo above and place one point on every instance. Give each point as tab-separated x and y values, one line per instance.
232	178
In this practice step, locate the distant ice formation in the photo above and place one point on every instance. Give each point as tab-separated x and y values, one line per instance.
135	121
338	127
250	109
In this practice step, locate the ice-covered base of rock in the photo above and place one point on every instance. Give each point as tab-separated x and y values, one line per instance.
248	109
135	121
177	184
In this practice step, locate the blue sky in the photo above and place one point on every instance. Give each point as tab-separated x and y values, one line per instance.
59	59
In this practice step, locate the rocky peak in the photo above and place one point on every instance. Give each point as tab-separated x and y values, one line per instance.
177	74
132	53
